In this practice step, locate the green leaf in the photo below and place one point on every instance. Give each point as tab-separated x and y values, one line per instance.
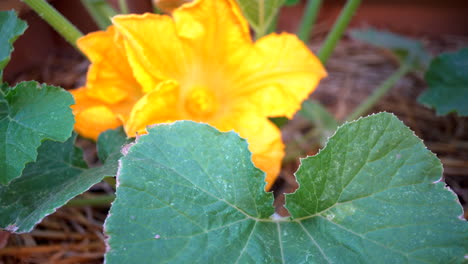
110	143
29	114
260	13
10	29
406	49
370	196
279	121
189	193
447	78
4	88
58	175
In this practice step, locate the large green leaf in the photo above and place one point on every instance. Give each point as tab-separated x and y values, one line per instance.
58	175
406	49
447	78
10	29
260	13
189	193
29	114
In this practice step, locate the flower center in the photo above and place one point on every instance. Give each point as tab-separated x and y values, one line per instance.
201	102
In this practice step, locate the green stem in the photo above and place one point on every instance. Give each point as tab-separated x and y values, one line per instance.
100	11
111	181
100	21
156	9
123	6
308	19
381	90
338	29
274	23
68	31
97	201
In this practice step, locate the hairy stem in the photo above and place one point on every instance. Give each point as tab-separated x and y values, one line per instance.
98	200
308	19
100	11
338	29
380	91
123	6
68	31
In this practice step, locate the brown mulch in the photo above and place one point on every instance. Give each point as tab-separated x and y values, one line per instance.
75	235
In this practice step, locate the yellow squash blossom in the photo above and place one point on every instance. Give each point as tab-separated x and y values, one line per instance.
198	64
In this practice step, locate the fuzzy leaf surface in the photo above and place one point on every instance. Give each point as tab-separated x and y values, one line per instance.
189	193
447	78
29	114
58	175
11	27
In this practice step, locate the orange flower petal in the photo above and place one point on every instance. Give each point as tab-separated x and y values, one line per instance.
277	76
212	28
91	116
197	39
154	50
158	106
110	77
91	122
200	64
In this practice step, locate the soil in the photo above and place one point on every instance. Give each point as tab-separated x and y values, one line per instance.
75	235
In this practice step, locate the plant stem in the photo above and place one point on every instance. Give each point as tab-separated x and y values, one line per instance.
123	6
272	27
98	200
381	90
338	29
68	31
101	22
308	19
111	181
100	11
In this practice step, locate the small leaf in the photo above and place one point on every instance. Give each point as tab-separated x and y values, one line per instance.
11	27
29	114
260	13
189	193
279	121
110	143
58	175
406	49
447	78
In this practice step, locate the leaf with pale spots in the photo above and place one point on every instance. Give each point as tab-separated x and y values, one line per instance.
189	193
29	114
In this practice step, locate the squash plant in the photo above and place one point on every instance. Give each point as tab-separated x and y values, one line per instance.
188	192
